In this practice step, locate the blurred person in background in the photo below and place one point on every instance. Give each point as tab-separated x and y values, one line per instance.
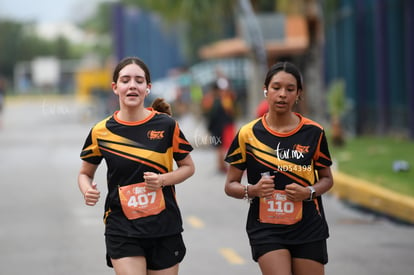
218	106
262	108
143	223
288	163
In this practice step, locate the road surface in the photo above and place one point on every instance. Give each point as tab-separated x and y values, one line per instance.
45	228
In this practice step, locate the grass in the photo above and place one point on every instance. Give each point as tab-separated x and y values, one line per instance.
372	158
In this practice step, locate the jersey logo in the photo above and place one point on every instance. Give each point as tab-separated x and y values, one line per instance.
284	154
153	134
301	148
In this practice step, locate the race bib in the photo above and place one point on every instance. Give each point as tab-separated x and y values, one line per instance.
277	209
137	202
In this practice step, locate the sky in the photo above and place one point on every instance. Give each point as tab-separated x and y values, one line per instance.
47	11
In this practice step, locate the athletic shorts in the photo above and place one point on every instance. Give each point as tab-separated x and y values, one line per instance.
160	253
316	251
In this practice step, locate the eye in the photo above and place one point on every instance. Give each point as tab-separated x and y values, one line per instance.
291	88
140	79
124	80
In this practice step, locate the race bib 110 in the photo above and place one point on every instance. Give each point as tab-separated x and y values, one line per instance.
277	209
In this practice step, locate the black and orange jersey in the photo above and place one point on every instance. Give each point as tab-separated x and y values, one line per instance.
129	150
291	157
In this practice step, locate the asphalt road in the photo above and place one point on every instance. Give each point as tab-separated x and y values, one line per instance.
45	228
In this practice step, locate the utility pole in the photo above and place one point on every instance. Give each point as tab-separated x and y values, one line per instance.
254	38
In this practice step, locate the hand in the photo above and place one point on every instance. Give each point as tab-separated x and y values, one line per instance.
154	181
92	195
263	188
296	192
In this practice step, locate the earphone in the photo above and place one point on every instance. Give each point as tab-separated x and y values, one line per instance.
265	93
148	91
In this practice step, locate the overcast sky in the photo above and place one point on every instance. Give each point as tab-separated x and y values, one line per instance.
47	10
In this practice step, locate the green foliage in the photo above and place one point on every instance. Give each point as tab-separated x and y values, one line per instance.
336	98
372	158
330	9
100	21
18	42
10	41
203	21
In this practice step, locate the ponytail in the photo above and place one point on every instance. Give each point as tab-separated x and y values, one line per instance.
160	105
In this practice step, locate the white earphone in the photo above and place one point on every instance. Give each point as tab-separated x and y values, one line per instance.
265	93
148	91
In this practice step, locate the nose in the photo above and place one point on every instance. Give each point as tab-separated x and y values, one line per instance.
282	92
132	84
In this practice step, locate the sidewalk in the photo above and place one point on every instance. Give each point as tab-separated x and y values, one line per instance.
378	199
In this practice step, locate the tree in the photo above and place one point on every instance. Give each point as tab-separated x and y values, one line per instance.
99	22
10	38
337	107
203	21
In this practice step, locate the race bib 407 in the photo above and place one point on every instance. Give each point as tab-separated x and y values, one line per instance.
137	202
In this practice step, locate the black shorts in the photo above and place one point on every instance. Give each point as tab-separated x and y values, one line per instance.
160	253
316	251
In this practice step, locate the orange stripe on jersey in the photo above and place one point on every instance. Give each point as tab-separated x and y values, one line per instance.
178	140
306	179
157	167
267	157
133	150
319	155
308	121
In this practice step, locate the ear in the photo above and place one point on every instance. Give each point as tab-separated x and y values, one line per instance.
299	97
264	91
114	88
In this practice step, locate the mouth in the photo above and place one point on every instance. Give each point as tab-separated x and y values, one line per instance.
132	95
281	103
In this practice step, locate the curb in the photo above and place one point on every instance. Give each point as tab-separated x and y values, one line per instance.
373	197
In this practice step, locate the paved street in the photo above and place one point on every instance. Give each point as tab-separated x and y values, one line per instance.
45	228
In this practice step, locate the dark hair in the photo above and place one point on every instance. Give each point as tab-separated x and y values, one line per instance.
131	60
286	67
160	105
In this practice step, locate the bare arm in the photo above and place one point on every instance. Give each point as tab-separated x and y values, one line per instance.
234	188
86	185
184	170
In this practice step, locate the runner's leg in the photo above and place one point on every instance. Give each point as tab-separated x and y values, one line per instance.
130	266
276	262
307	267
168	271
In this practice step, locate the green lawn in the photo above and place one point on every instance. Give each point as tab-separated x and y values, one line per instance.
372	158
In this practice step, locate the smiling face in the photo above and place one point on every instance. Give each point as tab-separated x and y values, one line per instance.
282	92
131	86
